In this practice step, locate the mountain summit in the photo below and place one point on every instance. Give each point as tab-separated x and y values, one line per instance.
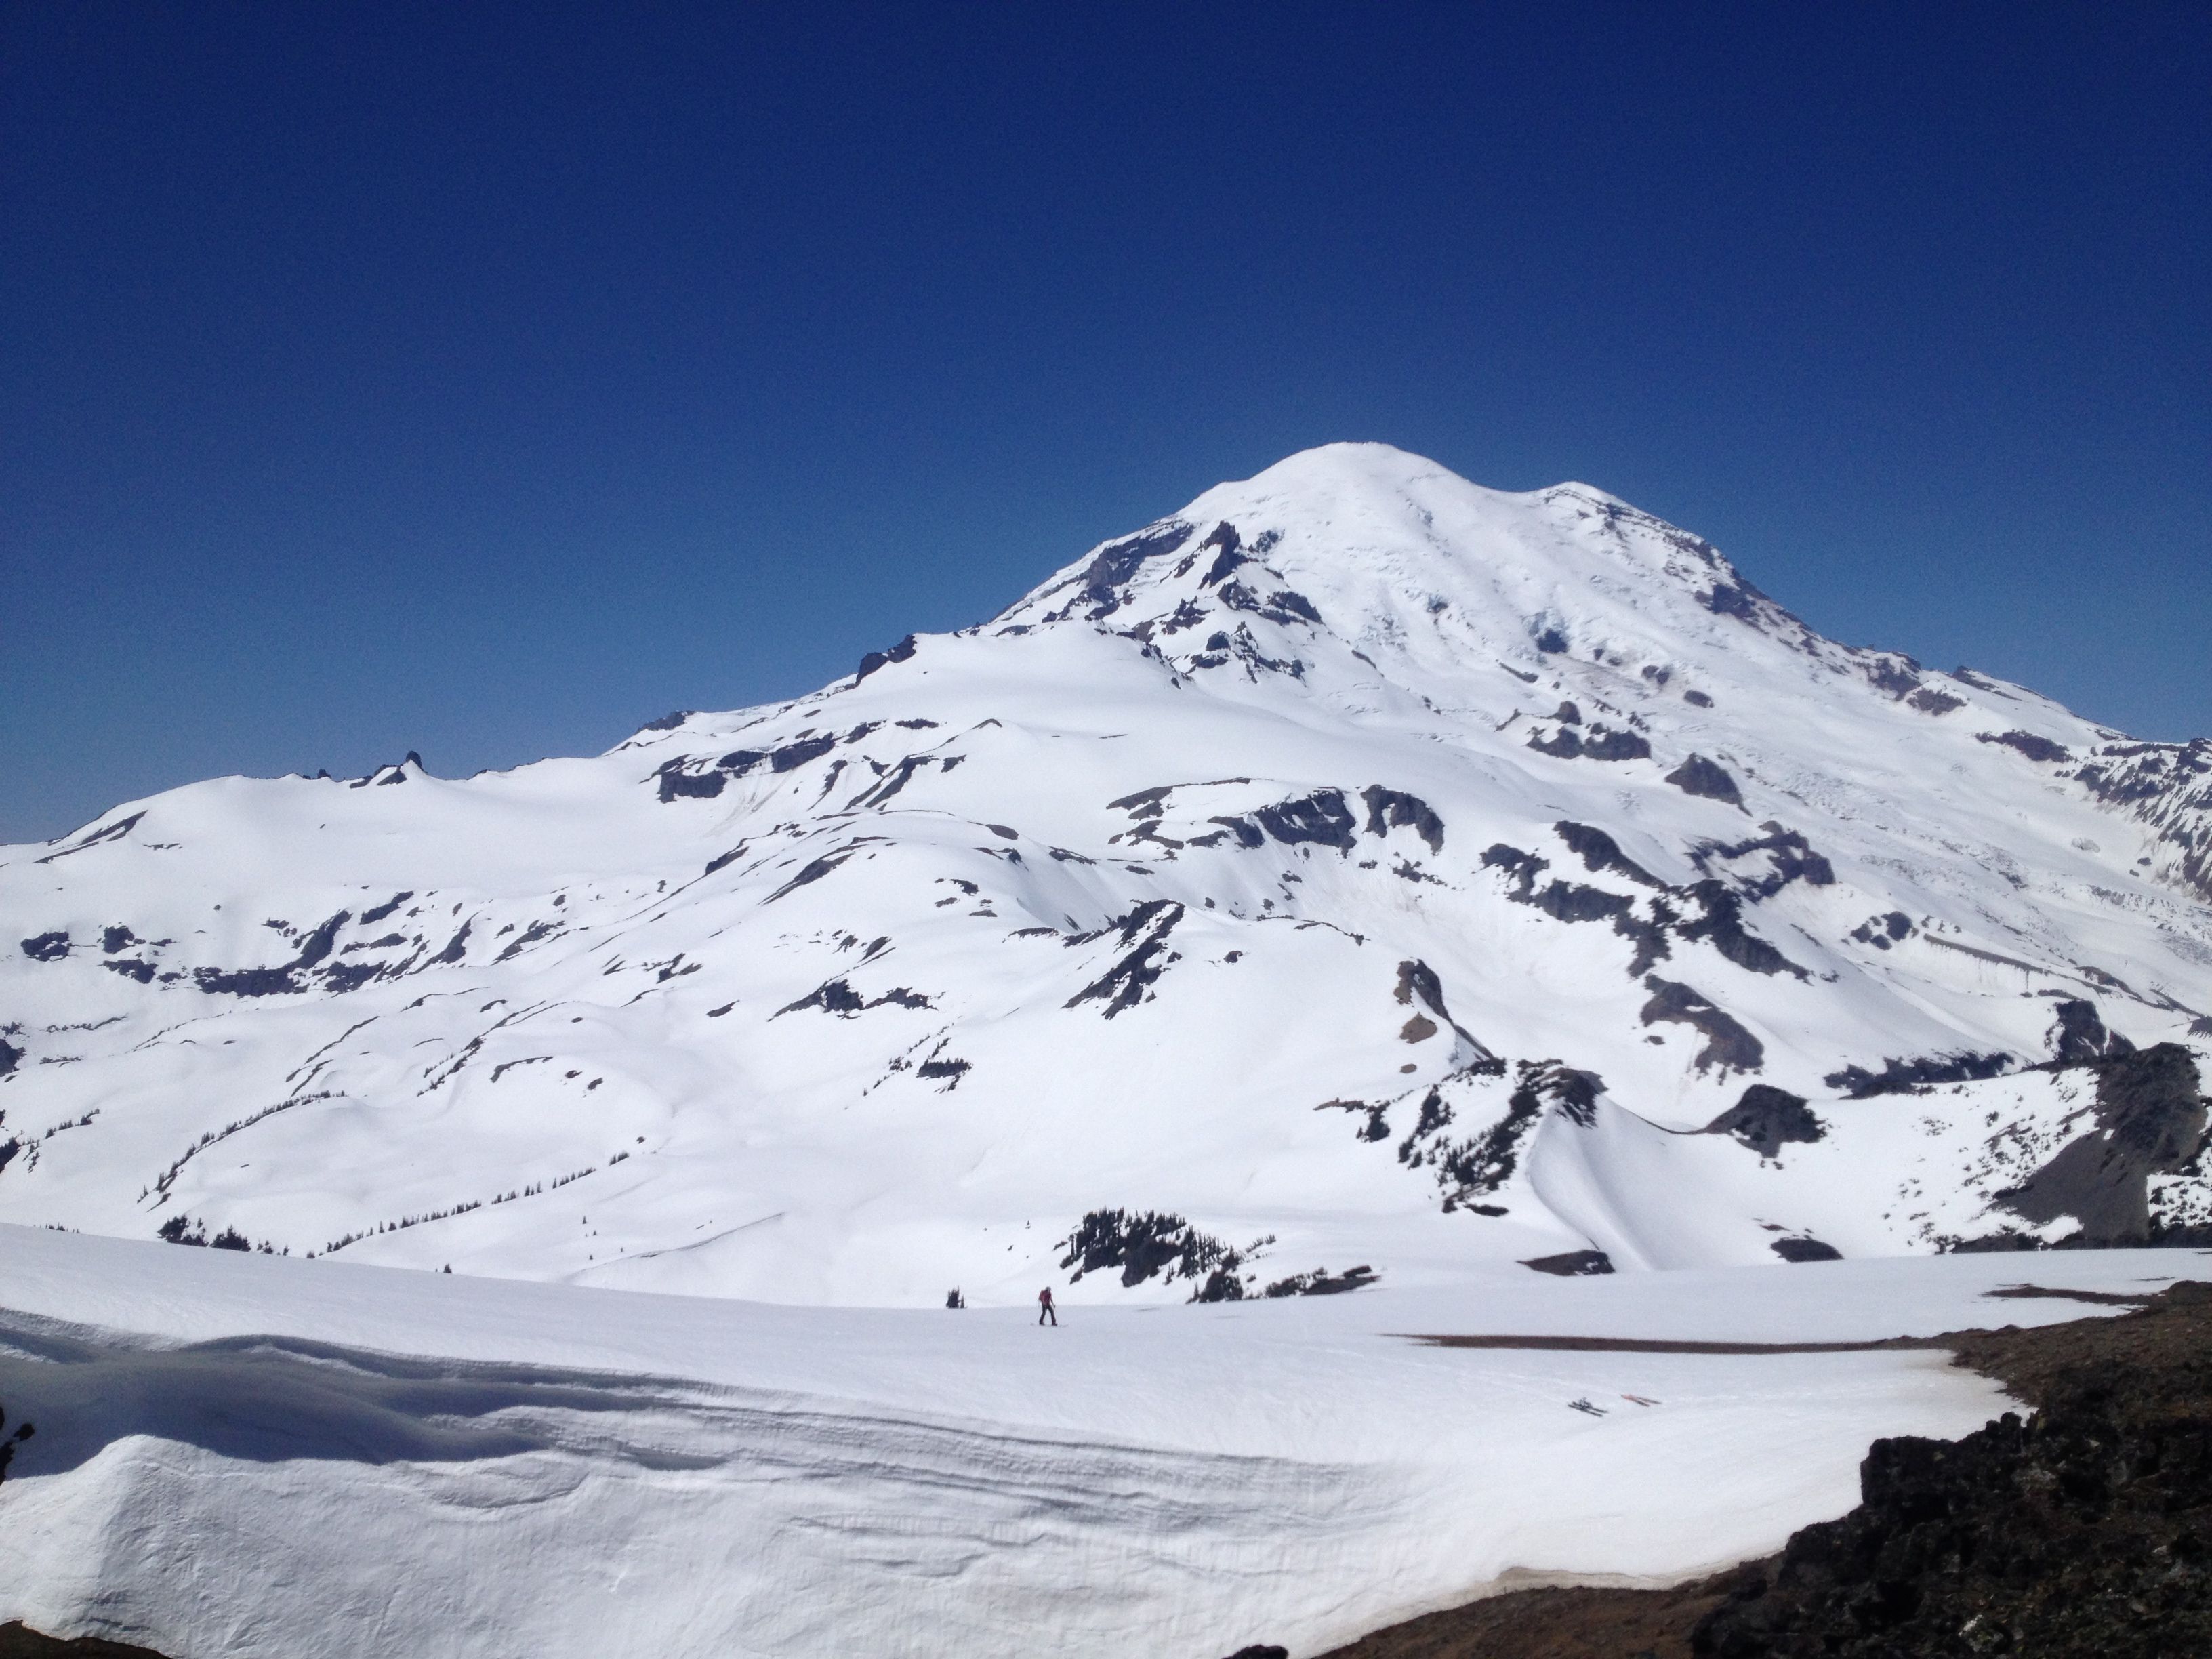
1357	873
1394	543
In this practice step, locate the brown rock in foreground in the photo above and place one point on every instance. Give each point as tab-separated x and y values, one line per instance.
2084	1533
1560	1623
19	1641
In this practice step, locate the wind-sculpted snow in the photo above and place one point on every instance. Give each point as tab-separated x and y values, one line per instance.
293	1460
1405	872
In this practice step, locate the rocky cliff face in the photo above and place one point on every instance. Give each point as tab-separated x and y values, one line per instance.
2079	1531
1356	867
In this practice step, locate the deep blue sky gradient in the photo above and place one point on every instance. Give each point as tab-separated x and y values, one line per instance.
487	382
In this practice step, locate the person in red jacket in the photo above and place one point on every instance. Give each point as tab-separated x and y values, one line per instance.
1044	1306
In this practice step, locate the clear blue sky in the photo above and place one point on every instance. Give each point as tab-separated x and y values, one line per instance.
487	382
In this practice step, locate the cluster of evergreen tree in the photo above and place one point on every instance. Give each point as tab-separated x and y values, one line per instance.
182	1230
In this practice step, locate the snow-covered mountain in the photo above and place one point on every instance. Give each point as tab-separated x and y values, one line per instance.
1358	868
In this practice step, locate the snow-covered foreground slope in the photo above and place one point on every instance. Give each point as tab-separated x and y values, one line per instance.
1357	867
247	1456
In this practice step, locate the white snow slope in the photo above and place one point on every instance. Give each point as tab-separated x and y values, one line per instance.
270	1459
1358	868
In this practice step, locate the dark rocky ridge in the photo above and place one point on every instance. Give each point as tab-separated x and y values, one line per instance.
2150	1115
19	1641
1699	776
1728	1045
2082	1533
1903	1077
1572	1264
1719	901
2085	1530
1766	1118
2167	787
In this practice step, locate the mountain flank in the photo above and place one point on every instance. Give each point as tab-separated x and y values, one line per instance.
1355	867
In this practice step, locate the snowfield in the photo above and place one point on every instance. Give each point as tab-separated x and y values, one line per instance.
243	1456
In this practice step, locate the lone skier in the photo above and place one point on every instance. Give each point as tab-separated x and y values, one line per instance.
1045	1310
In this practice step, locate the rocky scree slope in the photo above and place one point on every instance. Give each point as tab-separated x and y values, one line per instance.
2079	1531
1356	869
